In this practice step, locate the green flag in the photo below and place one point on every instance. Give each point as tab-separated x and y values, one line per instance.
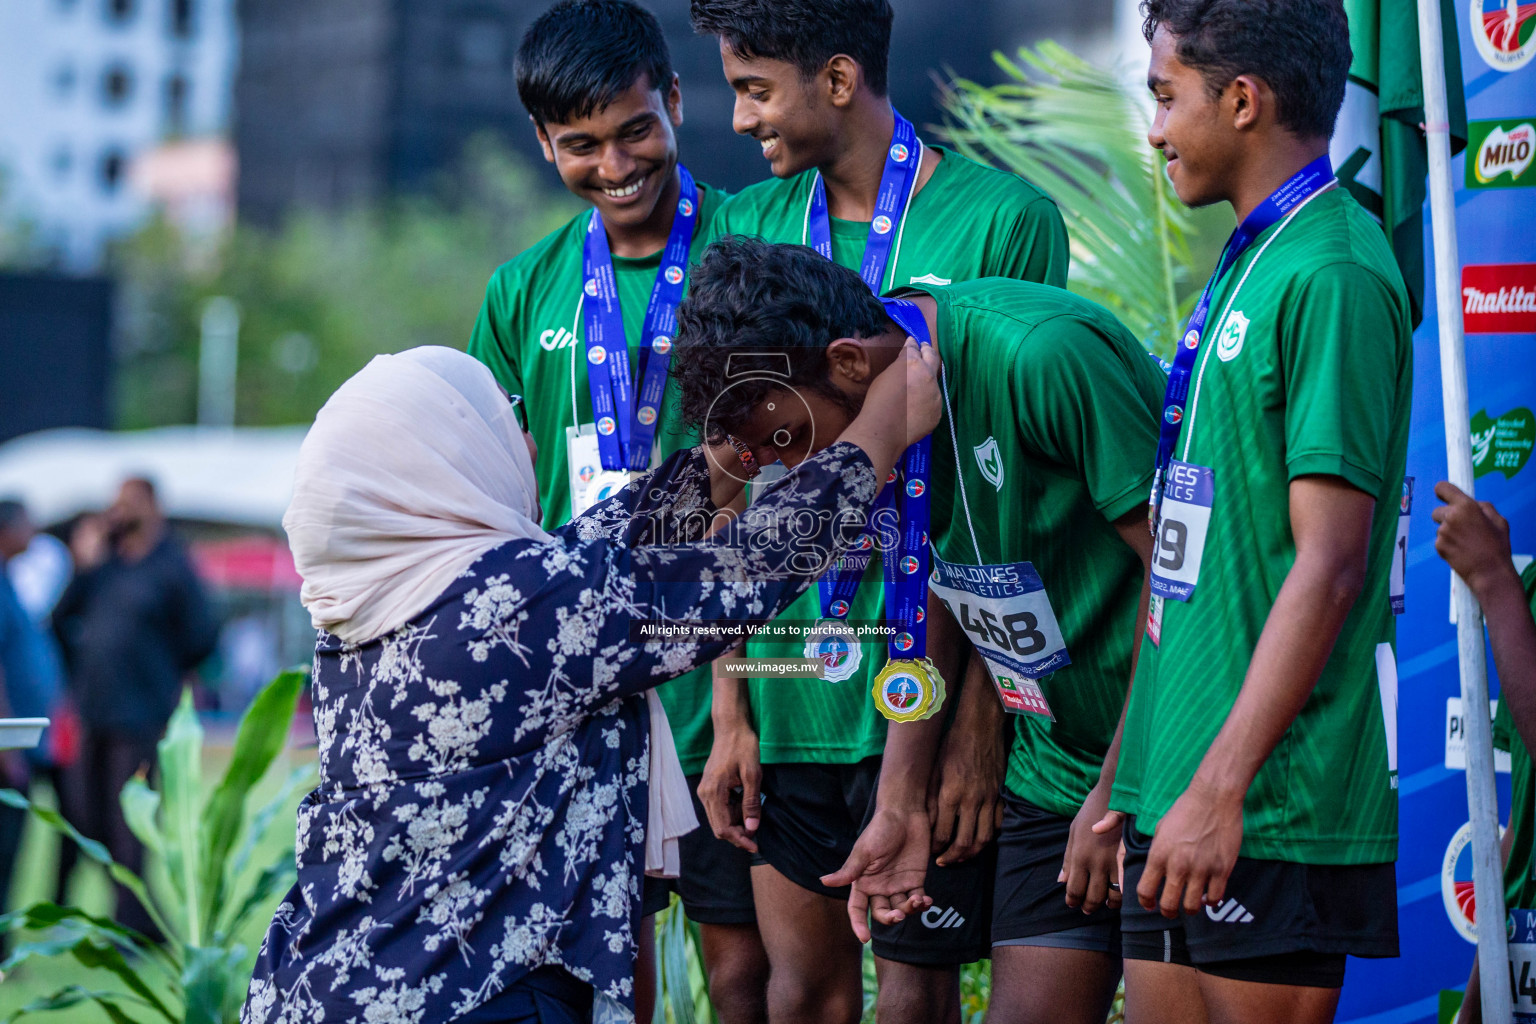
1378	148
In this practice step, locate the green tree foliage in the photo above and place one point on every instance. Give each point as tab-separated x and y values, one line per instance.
206	844
1076	131
325	293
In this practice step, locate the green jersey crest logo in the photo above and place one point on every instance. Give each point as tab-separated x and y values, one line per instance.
991	462
1502	444
1230	343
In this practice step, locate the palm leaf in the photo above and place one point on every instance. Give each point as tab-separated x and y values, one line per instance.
263	731
1078	134
181	784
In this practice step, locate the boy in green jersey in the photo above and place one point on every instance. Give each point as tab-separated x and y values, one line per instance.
1474	539
1257	765
810	82
597	80
1040	470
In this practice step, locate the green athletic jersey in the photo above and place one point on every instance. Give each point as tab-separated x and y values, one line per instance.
1308	371
1054	433
968	221
1520	868
530	334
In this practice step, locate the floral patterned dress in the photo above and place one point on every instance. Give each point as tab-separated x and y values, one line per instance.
483	769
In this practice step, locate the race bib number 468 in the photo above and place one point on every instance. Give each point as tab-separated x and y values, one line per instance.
1005	611
1184	520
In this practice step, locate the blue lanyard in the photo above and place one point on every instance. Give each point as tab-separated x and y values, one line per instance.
906	576
626	428
900	517
901	166
902	161
1306	183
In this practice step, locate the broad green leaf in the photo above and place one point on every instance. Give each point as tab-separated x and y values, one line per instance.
94	850
44	916
73	995
262	734
181	783
280	806
108	958
263	892
141	805
211	972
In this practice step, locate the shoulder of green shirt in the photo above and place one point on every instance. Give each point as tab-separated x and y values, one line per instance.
992	183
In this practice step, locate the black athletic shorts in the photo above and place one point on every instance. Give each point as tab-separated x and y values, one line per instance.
714	877
1029	906
812	816
1281	923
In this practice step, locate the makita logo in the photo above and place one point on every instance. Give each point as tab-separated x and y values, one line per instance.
942	917
1229	912
1499	298
1505	300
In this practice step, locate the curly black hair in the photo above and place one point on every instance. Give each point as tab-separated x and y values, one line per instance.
758	317
805	33
1300	48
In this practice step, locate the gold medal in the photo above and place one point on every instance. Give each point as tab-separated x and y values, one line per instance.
908	690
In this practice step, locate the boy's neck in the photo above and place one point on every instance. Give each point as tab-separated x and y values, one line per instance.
1269	168
650	235
852	175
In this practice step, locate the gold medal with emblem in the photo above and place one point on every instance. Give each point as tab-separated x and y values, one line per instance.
908	690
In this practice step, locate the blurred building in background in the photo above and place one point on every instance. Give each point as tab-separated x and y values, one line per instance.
91	86
351	100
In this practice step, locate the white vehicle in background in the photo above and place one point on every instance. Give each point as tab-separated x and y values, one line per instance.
225	489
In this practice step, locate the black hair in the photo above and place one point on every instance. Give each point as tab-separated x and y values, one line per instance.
144	483
760	316
1300	48
581	54
805	33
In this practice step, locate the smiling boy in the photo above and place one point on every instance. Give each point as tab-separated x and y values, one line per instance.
1257	763
597	80
853	179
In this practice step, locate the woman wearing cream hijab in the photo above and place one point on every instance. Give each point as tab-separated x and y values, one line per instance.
474	849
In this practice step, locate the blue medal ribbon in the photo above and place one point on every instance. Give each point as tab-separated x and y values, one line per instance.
1306	183
906	574
902	162
626	427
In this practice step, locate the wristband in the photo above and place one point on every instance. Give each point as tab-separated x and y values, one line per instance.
748	461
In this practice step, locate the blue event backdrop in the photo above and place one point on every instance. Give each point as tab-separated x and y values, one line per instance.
1495	226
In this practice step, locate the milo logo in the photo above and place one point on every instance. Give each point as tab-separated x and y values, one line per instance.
1499	154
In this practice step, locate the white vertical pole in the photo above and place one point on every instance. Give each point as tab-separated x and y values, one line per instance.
217	361
1482	798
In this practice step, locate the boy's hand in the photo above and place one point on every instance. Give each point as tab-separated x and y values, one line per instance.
1473	539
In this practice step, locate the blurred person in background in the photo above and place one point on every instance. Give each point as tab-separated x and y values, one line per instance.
30	683
135	621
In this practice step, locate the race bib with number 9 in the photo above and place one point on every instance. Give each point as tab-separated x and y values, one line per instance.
1005	611
1184	520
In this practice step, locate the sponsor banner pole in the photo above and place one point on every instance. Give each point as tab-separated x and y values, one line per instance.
1482	797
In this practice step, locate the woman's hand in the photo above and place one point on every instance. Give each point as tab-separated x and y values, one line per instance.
901	407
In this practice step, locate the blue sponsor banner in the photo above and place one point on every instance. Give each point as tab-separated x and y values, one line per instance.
1495	229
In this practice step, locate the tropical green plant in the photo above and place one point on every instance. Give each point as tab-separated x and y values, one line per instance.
1078	132
214	887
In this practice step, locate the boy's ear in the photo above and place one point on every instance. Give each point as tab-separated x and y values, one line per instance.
848	364
675	103
842	75
538	129
1245	97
